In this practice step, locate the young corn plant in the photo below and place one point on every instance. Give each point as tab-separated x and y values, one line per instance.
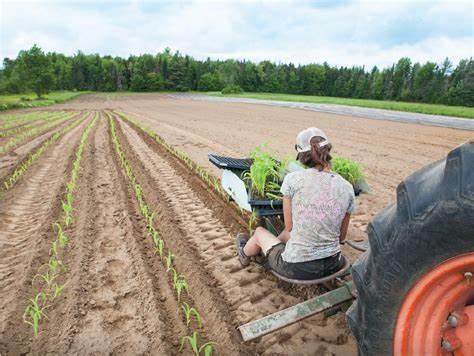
14	141
20	170
35	311
169	261
205	349
47	289
179	282
189	312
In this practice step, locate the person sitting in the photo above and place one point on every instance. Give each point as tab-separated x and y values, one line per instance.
317	204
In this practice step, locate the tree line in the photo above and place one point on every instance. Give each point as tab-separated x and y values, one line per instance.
34	70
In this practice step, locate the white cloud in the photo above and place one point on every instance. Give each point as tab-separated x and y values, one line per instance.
341	33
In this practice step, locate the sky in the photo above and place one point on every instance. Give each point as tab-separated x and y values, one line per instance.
340	32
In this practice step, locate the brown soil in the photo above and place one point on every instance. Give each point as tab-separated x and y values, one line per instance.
11	159
118	297
27	212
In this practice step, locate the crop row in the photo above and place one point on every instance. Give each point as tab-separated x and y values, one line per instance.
10	181
38	130
45	282
208	178
211	181
31	123
179	282
7	121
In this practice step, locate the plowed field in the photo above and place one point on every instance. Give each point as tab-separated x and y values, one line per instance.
143	222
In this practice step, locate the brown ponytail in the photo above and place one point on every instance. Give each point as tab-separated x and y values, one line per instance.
318	157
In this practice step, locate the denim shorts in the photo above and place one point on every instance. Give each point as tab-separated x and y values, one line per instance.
302	270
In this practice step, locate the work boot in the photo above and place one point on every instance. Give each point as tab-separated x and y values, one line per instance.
241	240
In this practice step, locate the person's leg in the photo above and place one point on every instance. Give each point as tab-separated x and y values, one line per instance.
262	240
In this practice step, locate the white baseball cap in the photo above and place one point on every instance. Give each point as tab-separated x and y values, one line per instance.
303	139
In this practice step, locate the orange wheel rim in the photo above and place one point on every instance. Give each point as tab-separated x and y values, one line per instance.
437	315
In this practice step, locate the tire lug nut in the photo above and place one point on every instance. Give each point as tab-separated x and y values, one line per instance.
468	277
453	321
450	343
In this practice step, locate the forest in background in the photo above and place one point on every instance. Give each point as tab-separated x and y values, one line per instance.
40	72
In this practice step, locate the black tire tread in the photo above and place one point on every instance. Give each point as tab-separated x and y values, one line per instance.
432	220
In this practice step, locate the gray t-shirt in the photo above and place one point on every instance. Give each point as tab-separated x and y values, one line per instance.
319	202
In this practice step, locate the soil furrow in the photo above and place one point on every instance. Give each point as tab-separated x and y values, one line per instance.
26	215
14	157
212	240
8	147
114	307
219	324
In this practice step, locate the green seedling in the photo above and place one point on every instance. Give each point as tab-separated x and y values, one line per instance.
161	246
34	311
188	312
347	169
55	265
61	236
169	261
207	348
57	290
180	285
264	170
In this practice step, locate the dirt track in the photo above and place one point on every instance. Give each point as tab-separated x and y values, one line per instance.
118	298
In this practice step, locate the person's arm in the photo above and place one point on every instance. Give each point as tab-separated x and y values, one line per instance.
344	227
285	234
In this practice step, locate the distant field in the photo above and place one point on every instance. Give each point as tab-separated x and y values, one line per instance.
13	101
433	109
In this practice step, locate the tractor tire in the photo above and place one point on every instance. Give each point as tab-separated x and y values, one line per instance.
431	222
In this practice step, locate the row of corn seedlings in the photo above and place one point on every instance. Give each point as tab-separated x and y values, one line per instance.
8	121
30	123
179	282
205	175
10	181
208	178
45	283
37	130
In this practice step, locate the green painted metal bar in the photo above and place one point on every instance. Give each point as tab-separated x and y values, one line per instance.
298	312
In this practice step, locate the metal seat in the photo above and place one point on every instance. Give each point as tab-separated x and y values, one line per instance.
342	271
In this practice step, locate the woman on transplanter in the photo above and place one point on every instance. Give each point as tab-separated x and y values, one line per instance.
317	204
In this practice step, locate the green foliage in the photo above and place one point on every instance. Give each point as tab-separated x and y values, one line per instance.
190	311
205	349
438	83
347	169
264	173
210	82
232	89
35	311
36	70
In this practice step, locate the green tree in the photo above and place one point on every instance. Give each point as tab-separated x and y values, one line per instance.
36	70
210	82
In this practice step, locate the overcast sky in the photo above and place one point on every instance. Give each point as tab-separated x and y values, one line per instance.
339	32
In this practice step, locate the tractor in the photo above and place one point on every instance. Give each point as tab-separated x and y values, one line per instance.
412	291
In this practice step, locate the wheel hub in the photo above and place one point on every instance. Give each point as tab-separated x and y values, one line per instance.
437	315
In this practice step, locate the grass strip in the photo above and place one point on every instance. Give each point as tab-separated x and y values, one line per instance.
179	282
422	108
45	283
14	101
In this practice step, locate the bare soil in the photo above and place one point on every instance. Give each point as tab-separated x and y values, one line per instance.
118	298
